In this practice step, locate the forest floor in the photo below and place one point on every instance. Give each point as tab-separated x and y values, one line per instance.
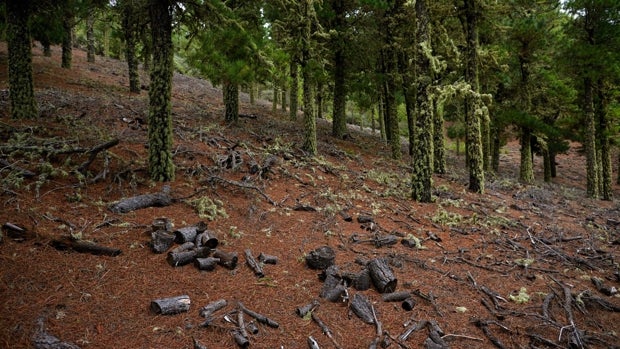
519	266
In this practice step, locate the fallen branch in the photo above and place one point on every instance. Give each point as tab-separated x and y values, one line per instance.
259	317
93	154
325	329
142	201
84	247
22	171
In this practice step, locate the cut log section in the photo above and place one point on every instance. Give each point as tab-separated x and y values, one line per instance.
227	259
360	281
321	258
177	259
382	276
267	259
171	306
387	240
408	304
161	241
207	264
186	234
206	238
304	310
209	309
362	308
142	201
396	296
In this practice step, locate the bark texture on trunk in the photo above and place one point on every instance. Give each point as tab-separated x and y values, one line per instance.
161	167
230	93
294	92
592	175
67	41
339	125
526	169
21	86
90	38
130	32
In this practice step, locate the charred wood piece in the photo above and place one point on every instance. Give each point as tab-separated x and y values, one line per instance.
361	281
412	328
253	263
326	330
408	304
387	240
304	310
206	238
227	259
346	216
396	296
267	259
188	234
362	308
312	343
161	241
365	219
207	263
304	208
93	154
142	201
321	258
171	306
84	247
161	223
259	317
208	310
16	232
382	276
241	340
178	259
44	340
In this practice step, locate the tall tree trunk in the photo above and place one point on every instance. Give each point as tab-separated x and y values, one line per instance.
147	50
21	86
526	168
381	117
274	101
590	141
252	93
283	97
67	40
474	141
309	145
606	188
294	98
409	93
130	31
421	178
439	147
161	166
339	125
391	115
90	37
319	101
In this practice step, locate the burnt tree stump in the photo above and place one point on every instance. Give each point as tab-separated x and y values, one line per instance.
171	306
382	276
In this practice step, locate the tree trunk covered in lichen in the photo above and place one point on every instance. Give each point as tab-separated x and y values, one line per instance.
339	125
309	145
606	174
485	132
526	169
381	117
390	74
407	71
421	178
21	86
548	173
294	92
90	37
67	40
590	141
439	148
274	100
161	167
472	104
230	92
130	30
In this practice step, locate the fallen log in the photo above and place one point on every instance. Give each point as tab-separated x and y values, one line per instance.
396	296
382	276
267	259
206	238
142	201
208	310
80	246
387	240
408	304
171	306
240	339
178	259
190	233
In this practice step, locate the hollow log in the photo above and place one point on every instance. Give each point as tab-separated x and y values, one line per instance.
267	259
206	238
253	264
382	276
227	259
207	264
408	304
142	201
161	241
208	310
84	247
321	258
170	306
240	339
189	233
362	308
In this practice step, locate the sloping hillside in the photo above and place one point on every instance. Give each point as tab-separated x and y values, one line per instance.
518	267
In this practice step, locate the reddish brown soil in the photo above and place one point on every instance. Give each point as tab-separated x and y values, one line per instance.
103	302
